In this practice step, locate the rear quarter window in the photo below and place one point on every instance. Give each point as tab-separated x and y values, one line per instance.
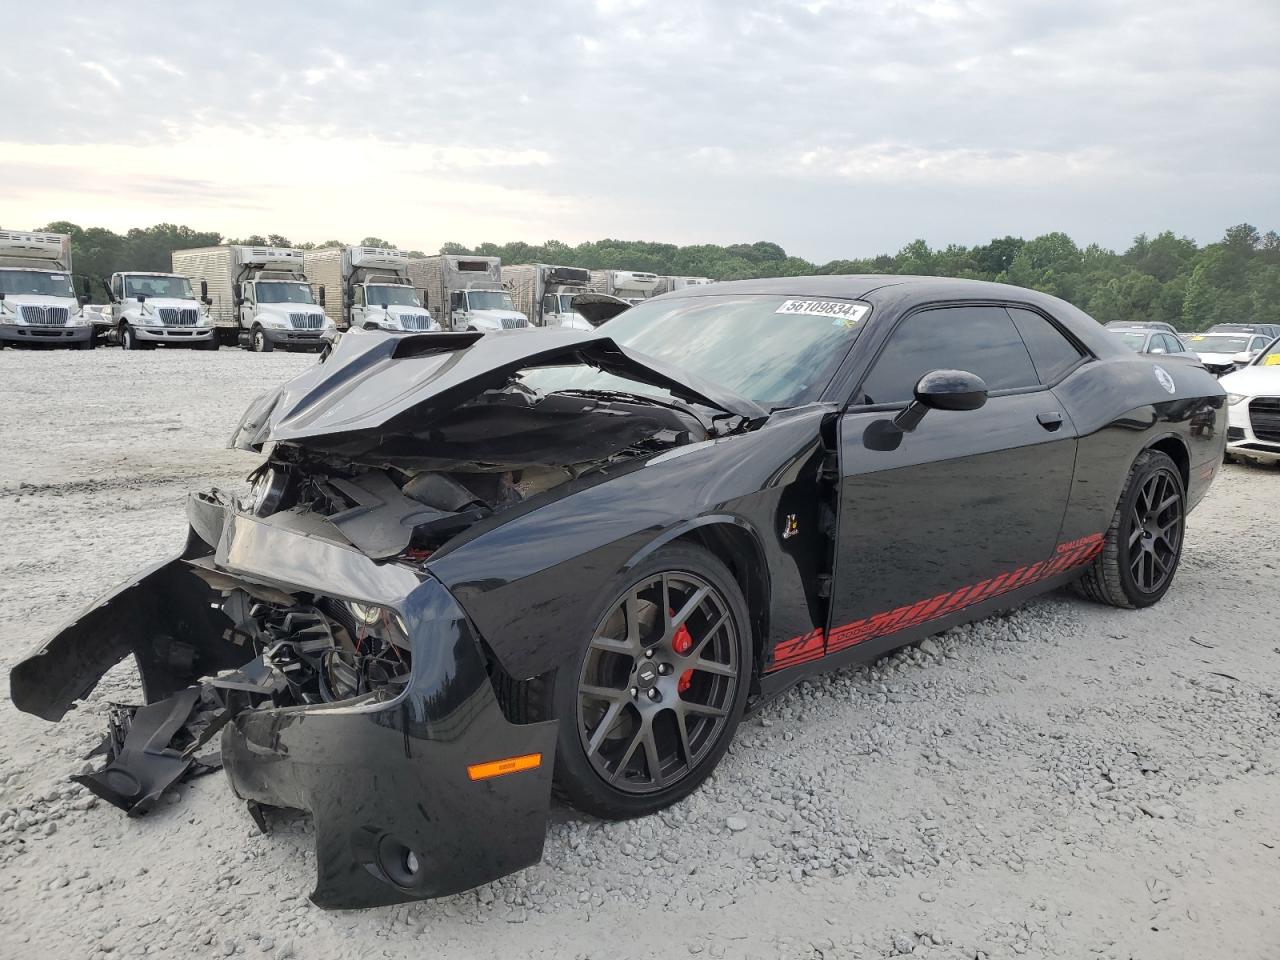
1051	352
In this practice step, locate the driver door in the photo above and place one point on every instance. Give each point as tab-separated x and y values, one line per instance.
969	496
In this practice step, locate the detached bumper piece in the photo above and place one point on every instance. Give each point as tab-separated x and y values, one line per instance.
419	785
150	748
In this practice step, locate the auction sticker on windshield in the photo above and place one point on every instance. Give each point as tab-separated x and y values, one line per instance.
840	311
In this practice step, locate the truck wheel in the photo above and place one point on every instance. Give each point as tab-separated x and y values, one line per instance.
127	340
210	344
259	342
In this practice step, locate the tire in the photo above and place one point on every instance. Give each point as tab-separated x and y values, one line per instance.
128	341
1143	543
210	344
643	701
259	342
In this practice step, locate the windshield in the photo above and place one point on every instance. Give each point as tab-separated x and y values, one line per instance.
279	291
490	300
36	283
777	351
1133	339
176	288
566	302
391	296
1218	343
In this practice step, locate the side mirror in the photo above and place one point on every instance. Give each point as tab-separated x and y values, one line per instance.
942	390
86	289
384	307
1243	357
426	298
237	294
142	298
204	293
321	294
1157	350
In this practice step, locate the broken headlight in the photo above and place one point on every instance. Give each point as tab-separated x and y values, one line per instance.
268	492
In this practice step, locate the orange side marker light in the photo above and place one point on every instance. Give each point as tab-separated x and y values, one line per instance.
498	768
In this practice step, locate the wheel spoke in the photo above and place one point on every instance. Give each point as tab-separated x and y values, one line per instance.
706	637
610	645
719	669
651	759
605	725
1166	503
683	730
704	710
602	693
627	755
674	623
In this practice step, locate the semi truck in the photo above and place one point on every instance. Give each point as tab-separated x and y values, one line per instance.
147	309
377	293
467	292
630	285
38	304
260	297
544	293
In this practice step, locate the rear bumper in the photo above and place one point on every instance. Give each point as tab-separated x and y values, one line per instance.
383	778
53	336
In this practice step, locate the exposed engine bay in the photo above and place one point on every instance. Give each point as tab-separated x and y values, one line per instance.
405	493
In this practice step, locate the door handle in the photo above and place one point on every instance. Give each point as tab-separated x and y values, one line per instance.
1050	420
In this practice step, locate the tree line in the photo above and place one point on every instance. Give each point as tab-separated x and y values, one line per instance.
1165	277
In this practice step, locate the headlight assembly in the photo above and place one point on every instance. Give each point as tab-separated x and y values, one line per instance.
1234	398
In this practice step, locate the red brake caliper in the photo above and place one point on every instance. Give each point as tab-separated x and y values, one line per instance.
682	643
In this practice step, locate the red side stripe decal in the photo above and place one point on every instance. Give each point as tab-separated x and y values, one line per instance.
814	645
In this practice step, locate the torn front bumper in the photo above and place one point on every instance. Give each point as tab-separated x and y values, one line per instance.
398	815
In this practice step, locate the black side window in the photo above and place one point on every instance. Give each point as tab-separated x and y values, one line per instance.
981	340
1051	352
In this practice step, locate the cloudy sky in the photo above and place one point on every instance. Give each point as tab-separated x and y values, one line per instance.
836	129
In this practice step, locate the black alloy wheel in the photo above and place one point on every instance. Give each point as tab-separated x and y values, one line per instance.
651	703
1155	531
1143	544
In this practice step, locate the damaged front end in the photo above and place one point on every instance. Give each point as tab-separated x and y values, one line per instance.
354	691
304	627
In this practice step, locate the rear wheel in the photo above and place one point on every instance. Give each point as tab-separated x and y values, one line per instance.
1144	541
650	703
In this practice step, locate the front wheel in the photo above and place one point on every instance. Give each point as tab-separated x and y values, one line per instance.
128	340
1144	541
651	700
260	342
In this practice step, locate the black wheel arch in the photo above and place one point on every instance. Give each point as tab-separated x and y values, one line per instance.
1175	448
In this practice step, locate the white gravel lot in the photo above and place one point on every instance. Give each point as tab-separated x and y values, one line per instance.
1065	780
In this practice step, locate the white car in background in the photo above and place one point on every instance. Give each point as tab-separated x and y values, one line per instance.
1219	349
1253	407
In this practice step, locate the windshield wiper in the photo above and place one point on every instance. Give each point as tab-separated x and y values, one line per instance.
625	396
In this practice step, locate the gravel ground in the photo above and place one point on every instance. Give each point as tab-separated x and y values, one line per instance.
1064	780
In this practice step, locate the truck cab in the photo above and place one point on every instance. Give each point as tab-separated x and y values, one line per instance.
557	309
38	304
378	294
274	302
484	308
153	308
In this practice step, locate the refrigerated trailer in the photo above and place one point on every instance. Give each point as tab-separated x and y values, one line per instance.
631	285
38	305
544	293
667	284
466	293
259	297
376	292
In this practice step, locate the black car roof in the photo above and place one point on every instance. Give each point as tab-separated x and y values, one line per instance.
891	294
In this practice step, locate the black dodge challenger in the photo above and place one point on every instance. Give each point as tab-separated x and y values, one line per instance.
476	568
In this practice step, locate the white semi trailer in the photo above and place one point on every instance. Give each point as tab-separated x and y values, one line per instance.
38	304
467	292
261	298
667	284
634	286
377	293
152	308
544	293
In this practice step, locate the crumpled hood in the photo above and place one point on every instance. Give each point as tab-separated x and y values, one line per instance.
370	382
598	308
1252	381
